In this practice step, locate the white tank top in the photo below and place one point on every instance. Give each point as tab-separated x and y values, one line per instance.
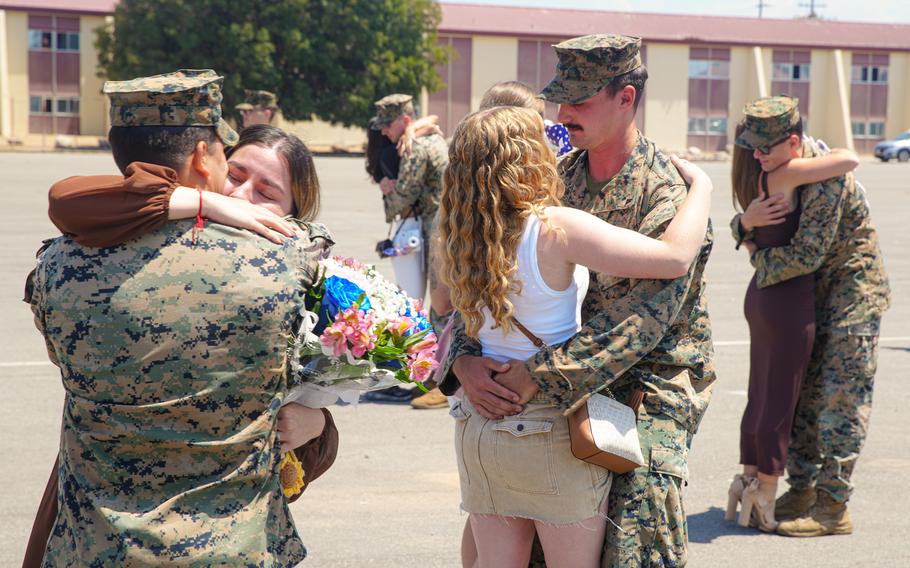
552	315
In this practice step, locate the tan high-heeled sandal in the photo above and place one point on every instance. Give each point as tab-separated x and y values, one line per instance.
735	495
758	508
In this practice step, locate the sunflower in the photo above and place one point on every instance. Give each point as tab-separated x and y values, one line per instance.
290	475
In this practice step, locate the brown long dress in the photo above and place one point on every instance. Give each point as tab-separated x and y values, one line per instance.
782	330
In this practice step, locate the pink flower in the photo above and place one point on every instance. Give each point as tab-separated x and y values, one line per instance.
400	326
361	342
421	366
426	344
334	338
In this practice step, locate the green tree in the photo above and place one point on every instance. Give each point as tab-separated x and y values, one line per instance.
323	58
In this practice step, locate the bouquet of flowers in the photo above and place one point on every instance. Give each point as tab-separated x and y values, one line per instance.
359	333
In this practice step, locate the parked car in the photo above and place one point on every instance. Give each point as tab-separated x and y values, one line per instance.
898	148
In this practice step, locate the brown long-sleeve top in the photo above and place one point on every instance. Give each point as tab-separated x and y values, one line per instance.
102	211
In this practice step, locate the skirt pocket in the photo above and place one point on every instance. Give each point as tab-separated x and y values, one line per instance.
523	452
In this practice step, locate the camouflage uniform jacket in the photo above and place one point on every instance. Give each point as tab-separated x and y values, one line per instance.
651	334
420	182
836	241
172	356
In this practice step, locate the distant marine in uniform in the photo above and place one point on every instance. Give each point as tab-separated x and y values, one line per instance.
258	107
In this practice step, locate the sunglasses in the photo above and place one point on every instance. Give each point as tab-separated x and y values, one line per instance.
766	149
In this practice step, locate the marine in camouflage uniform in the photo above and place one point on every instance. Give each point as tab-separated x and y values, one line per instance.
837	242
652	335
172	350
419	183
258	107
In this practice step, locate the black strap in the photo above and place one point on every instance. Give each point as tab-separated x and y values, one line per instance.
411	213
763	178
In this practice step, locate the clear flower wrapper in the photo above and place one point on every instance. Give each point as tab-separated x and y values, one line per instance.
359	332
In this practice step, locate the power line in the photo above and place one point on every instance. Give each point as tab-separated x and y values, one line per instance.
761	7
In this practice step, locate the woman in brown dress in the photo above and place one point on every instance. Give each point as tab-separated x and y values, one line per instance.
781	317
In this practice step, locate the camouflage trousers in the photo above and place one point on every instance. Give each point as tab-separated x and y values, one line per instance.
647	526
832	415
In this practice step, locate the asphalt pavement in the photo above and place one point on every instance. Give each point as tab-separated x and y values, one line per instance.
392	497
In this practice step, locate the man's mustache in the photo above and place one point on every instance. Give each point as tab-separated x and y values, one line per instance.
573	126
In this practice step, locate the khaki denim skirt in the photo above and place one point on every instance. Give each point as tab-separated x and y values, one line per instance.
522	466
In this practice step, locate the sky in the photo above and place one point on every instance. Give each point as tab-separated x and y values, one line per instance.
882	11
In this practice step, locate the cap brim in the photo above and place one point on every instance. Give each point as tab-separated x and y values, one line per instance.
244	106
376	124
227	134
750	140
570	92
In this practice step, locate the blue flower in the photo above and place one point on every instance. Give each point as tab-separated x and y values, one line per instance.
340	294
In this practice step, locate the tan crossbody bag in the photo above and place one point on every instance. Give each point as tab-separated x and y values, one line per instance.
602	430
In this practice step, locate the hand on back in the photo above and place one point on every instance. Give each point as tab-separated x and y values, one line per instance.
491	399
765	210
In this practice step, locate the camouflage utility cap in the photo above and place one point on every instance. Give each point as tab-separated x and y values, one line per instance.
768	120
589	63
188	97
389	108
258	99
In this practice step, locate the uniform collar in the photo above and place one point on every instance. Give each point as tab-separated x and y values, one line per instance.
617	193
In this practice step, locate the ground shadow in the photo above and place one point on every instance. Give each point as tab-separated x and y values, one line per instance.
896	348
706	526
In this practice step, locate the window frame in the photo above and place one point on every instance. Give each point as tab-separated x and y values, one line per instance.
37	32
73	103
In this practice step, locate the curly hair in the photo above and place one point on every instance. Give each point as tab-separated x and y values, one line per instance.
501	171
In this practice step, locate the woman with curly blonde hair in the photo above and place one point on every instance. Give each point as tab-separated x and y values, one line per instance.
512	257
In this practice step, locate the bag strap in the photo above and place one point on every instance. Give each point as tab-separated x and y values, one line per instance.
538	343
411	211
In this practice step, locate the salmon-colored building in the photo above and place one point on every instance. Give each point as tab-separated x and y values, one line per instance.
853	79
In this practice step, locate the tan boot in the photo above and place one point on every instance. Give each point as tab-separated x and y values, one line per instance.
793	504
432	399
826	517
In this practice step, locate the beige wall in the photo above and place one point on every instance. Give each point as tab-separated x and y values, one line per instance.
829	97
750	78
898	95
93	114
323	134
493	59
666	98
17	68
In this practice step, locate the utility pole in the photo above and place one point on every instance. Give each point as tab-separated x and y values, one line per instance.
812	5
761	7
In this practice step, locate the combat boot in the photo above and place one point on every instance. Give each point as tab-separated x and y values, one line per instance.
826	517
793	504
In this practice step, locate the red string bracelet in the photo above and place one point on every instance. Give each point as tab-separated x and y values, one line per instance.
200	220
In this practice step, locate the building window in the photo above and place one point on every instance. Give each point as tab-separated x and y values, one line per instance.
697	125
40	39
67	106
56	106
869	74
717	126
791	72
60	41
708	69
67	41
39	104
874	129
